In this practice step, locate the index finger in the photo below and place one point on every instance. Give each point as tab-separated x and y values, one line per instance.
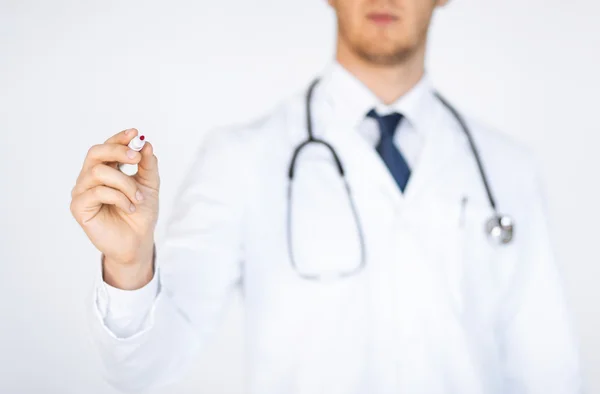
123	137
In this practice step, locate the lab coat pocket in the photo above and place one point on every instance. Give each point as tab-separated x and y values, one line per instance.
447	238
462	252
469	283
478	280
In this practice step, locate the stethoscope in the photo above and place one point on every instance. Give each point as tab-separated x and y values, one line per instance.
499	228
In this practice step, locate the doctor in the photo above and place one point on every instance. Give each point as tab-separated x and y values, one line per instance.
404	249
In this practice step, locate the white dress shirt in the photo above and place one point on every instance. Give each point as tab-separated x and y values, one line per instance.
437	309
408	137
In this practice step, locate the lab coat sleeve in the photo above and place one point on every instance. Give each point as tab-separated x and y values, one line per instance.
128	310
540	349
148	338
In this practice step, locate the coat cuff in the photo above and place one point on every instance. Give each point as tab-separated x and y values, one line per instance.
125	312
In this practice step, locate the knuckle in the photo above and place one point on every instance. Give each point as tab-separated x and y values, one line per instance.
76	191
73	209
93	150
95	191
96	171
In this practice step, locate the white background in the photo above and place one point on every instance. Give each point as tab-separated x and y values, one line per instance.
73	73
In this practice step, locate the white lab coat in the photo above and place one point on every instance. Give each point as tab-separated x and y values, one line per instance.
438	308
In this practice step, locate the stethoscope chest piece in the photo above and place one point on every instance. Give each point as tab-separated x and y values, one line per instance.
500	229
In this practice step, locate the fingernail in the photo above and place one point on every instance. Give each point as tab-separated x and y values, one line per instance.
139	196
131	208
131	153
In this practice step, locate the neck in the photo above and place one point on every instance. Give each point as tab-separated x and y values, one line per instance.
387	82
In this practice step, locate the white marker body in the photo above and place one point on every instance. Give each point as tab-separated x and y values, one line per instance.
135	144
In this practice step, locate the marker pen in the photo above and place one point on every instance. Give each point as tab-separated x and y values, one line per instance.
136	144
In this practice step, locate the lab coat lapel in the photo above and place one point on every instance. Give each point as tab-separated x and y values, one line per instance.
437	166
444	153
364	166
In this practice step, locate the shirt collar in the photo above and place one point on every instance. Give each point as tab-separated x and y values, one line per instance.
351	100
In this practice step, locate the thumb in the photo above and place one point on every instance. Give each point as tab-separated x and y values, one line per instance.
147	174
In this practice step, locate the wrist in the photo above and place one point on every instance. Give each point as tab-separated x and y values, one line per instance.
132	275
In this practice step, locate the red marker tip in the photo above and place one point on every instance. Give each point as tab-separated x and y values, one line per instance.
142	137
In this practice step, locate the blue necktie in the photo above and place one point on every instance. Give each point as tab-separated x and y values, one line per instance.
391	156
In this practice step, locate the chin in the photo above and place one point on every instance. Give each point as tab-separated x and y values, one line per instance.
384	55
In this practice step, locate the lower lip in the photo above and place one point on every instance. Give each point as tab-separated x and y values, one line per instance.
382	19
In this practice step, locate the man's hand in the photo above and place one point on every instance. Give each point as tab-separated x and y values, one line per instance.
119	212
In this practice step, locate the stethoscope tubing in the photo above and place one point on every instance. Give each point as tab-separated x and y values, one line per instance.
499	227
